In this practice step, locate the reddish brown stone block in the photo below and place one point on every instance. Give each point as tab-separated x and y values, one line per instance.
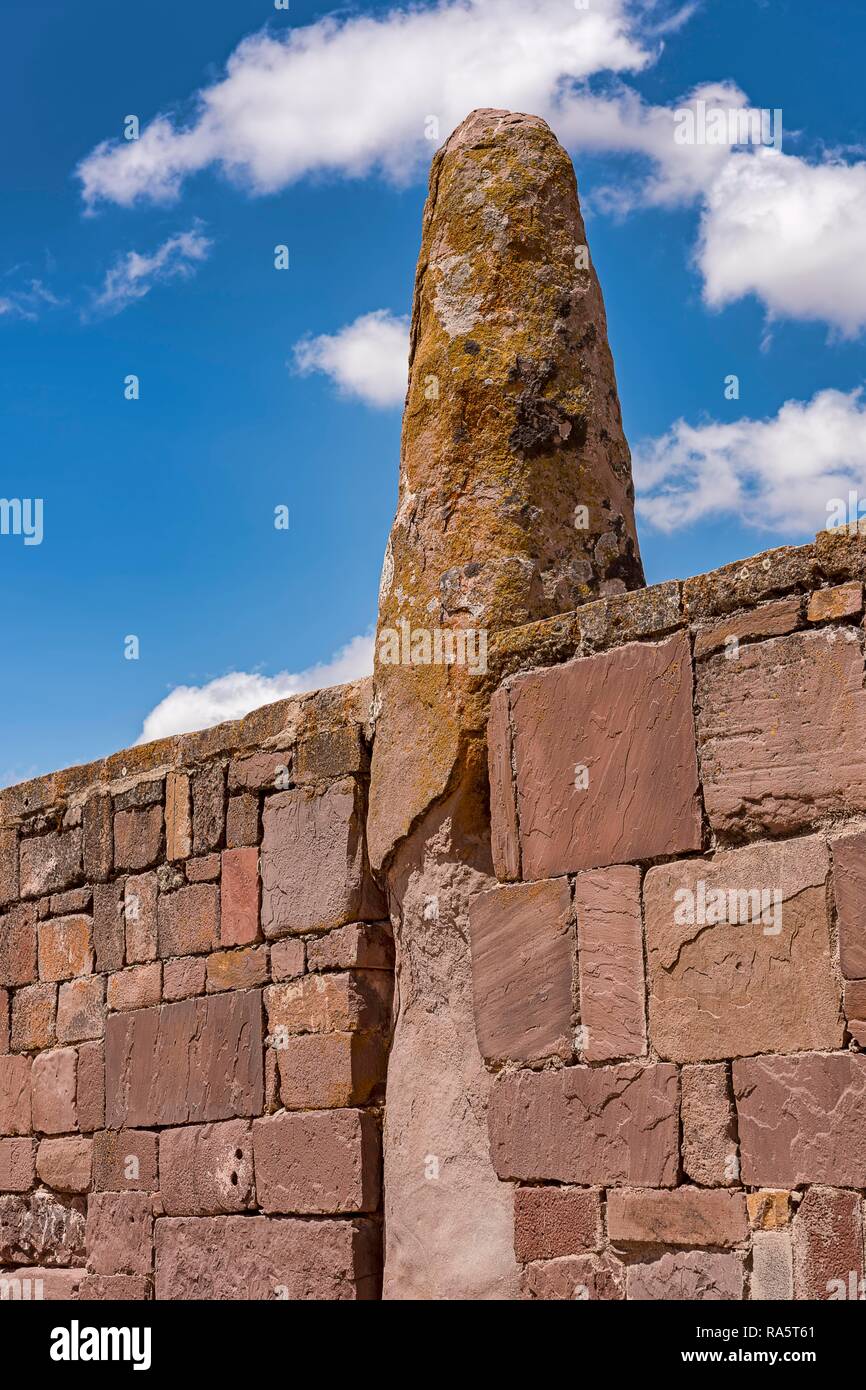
587	1125
65	948
98	838
802	1119
849	883
617	786
317	1161
722	933
610	964
208	807
242	821
329	755
135	988
522	943
357	946
683	1216
17	1165
239	900
553	1221
841	601
18	946
90	1093
119	1233
189	920
65	1164
49	863
139	915
503	797
38	1229
138	838
828	1245
15	1095
242	969
125	1160
255	1257
53	1080
207	1170
48	1285
287	959
114	1288
356	1001
765	724
34	1012
8	867
709	1134
5	1009
204	869
178	817
321	1071
108	925
184	977
854	1003
687	1275
768	620
67	904
197	1060
582	1277
314	870
254	772
81	1009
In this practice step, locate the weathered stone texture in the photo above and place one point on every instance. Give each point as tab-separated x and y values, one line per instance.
582	1277
125	1160
522	944
137	838
50	863
207	1170
325	1161
739	952
616	1124
828	1245
768	620
766	723
605	755
610	963
120	1233
54	1085
15	1095
38	1229
319	1071
709	1127
197	1060
65	1164
849	884
686	1275
18	951
802	1119
683	1216
17	1164
189	920
772	1275
550	1222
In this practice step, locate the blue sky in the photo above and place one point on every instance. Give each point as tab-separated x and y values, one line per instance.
155	257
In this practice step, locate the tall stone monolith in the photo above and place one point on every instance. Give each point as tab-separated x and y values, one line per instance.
515	503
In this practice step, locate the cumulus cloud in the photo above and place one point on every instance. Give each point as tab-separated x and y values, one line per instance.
778	474
190	707
367	359
134	275
354	95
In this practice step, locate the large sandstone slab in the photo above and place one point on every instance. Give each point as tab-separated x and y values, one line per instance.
802	1119
828	1245
684	1216
610	963
587	1125
260	1257
685	1275
605	755
522	964
314	864
200	1059
740	956
782	733
849	884
317	1161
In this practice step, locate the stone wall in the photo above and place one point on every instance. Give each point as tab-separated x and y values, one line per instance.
670	978
195	999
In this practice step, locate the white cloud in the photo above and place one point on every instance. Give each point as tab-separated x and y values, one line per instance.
29	302
352	95
777	474
135	275
367	359
191	707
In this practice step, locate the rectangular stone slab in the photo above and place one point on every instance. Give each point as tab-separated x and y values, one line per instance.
200	1059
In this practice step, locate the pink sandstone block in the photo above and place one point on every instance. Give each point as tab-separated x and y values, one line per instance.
582	1277
610	964
828	1245
681	1216
849	883
686	1275
550	1222
207	1170
119	1233
317	1161
239	905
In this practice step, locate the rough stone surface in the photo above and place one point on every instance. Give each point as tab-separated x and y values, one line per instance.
125	1160
64	948
772	1277
52	1285
768	1210
135	988
15	1095
119	1233
137	838
802	1119
81	1009
321	1071
553	1221
504	830
65	1164
98	845
582	1277
239	897
350	1001
18	951
242	969
849	884
522	943
108	925
614	1124
256	1257
208	802
34	1013
207	1170
184	977
139	913
605	755
50	863
54	1082
189	920
197	1060
610	964
684	1216
8	866
324	1161
178	819
16	1164
359	945
723	935
114	1288
709	1126
90	1094
685	1275
768	620
765	723
39	1229
828	1245
841	601
314	873
242	820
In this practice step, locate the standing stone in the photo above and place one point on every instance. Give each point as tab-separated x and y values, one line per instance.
515	503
